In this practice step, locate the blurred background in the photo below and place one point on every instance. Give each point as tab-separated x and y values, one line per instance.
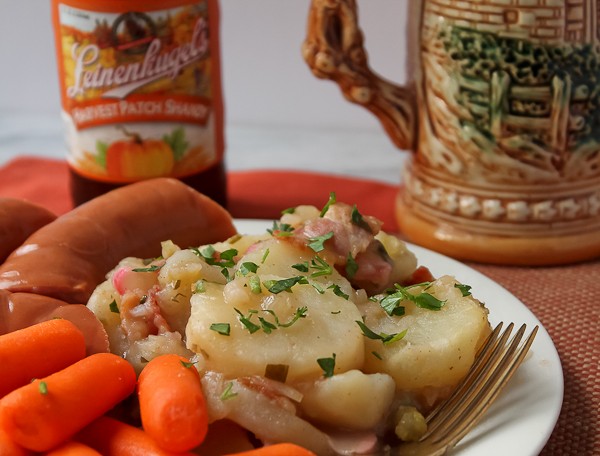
274	107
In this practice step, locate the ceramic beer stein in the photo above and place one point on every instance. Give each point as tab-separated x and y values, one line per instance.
502	112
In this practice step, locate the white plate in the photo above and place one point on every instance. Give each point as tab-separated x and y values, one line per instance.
521	420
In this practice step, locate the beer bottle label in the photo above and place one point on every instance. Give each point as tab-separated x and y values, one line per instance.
140	87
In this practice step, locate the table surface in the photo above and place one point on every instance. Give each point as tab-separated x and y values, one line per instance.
563	298
358	153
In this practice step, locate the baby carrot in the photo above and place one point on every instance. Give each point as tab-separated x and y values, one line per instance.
172	404
37	351
47	412
9	448
114	438
279	449
72	448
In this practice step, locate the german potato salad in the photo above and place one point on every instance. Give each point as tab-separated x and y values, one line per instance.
322	331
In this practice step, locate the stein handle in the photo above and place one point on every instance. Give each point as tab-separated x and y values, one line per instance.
334	50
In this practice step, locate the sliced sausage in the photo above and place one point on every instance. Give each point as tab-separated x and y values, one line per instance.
18	220
67	258
20	310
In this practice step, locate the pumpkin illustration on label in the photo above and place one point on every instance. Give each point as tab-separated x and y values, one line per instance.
138	158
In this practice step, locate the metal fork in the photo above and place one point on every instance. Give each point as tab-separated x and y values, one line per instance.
493	367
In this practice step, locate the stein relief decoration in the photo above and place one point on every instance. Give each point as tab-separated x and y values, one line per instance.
502	113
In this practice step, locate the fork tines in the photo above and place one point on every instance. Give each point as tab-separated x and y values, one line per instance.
493	367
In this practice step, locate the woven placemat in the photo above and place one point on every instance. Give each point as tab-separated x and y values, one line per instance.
566	300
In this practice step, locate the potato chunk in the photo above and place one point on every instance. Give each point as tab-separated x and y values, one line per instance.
100	304
439	346
351	400
176	279
404	262
271	328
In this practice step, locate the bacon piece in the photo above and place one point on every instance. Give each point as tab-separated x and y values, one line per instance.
422	274
348	237
126	279
141	315
355	238
374	269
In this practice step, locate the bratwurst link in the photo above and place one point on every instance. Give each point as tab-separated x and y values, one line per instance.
67	258
18	220
20	310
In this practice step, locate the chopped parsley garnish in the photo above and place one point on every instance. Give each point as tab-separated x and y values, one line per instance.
317	243
427	301
423	300
245	320
247	267
300	313
320	266
226	274
338	291
358	220
464	289
277	286
187	364
254	283
228	257
332	200
228	392
376	355
43	388
268	326
351	266
289	210
281	229
152	268
391	338
383	337
222	328
328	365
211	256
317	287
302	267
265	255
114	308
391	304
208	253
199	287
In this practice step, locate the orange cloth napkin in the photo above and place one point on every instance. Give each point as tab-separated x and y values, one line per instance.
252	194
564	298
